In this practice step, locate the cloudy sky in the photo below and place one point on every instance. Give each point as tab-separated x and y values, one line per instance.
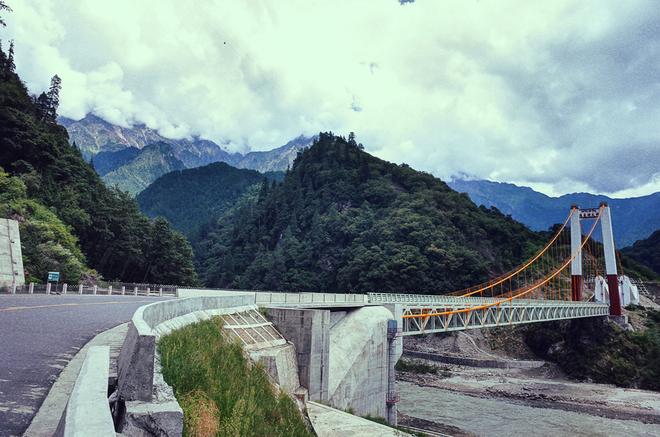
563	96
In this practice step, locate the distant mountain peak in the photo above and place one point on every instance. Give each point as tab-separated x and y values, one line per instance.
107	143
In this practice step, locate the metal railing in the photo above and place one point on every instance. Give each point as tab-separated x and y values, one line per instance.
105	289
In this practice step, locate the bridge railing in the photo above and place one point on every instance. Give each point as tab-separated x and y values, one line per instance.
435	299
309	298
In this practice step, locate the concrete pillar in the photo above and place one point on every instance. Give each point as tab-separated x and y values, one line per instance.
13	288
80	289
160	291
31	288
135	291
48	288
393	332
123	290
148	291
610	260
576	263
309	331
64	288
94	290
109	289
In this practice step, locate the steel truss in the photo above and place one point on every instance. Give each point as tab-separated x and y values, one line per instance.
514	312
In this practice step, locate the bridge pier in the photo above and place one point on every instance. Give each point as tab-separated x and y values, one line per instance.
345	355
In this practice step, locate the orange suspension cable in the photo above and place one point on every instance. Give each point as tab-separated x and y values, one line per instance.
523	293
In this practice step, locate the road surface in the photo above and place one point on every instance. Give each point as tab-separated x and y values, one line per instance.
38	337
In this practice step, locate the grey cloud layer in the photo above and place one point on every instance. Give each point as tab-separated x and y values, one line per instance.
561	95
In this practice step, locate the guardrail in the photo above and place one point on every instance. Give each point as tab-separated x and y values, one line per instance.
106	289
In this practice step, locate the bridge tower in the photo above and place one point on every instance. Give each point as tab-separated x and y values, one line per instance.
576	264
610	260
608	248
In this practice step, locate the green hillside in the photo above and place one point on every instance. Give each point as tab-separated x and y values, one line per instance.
191	198
345	220
115	238
646	252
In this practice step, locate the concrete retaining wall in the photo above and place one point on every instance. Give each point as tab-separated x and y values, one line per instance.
11	259
88	411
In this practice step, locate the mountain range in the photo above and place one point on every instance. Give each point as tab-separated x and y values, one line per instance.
122	156
633	218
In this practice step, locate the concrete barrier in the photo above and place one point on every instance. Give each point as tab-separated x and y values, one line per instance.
136	359
88	411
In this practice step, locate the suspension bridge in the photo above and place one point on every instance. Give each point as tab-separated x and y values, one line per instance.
572	276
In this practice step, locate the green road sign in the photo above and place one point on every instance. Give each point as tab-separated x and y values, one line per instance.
53	276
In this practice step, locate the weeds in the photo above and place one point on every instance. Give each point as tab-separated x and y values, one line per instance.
220	392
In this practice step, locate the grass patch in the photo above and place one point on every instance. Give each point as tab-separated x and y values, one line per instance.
220	391
414	366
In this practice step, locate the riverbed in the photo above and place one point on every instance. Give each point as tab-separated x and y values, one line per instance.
495	417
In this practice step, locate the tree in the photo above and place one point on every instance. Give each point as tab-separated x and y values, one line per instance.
54	96
11	67
3	7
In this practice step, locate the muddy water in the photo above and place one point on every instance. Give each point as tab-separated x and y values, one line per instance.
496	417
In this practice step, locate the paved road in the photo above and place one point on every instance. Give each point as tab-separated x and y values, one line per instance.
38	337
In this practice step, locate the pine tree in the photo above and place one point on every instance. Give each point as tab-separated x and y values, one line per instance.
54	96
11	67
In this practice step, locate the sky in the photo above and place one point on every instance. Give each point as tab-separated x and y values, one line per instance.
563	96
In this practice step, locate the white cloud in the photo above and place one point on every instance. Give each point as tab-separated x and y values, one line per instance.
560	95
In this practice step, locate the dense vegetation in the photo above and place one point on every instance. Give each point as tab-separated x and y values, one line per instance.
596	349
115	238
47	243
190	198
220	391
646	252
345	220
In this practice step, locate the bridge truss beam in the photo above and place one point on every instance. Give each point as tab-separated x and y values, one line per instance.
444	318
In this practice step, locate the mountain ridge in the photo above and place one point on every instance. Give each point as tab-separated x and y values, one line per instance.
93	136
633	218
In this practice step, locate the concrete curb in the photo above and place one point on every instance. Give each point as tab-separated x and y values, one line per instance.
48	416
88	411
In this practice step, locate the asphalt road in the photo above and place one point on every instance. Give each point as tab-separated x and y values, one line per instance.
38	337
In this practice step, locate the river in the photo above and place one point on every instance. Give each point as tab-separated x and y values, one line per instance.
497	417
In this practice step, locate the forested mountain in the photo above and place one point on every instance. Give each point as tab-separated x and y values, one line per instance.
149	164
190	198
55	189
646	252
105	162
632	219
112	147
347	221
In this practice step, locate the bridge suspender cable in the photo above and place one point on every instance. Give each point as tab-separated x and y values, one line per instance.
485	286
525	291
